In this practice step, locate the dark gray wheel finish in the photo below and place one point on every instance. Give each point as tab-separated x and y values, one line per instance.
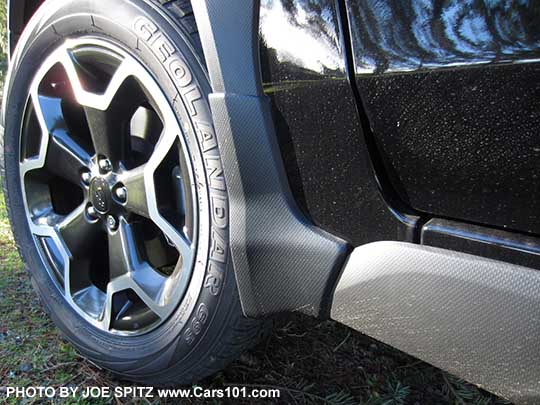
107	144
206	329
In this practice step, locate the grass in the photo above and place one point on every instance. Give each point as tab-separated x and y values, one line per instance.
310	361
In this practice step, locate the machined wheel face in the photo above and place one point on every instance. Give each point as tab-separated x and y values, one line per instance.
108	187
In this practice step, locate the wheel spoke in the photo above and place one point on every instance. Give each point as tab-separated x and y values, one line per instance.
123	255
135	185
107	311
177	238
89	99
106	133
106	314
65	158
50	109
106	113
110	129
148	285
124	265
127	270
142	196
147	294
145	204
183	246
77	233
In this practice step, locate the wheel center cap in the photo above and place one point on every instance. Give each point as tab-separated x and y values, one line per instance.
100	195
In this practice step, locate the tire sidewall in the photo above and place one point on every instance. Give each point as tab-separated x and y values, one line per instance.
146	32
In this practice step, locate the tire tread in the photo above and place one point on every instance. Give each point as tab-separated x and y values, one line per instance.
182	12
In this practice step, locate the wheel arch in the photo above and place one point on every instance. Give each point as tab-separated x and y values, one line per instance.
19	13
313	261
282	261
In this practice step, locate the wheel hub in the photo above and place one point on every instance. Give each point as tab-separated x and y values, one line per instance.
101	195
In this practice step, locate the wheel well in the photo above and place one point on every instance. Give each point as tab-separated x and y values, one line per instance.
20	12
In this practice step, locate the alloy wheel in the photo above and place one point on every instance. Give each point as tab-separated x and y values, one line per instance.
108	187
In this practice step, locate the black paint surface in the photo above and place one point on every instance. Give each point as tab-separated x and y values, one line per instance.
321	138
452	92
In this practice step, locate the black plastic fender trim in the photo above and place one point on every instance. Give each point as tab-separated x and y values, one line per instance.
474	317
282	262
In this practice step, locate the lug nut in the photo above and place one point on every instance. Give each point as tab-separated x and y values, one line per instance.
86	177
91	212
112	223
105	165
121	193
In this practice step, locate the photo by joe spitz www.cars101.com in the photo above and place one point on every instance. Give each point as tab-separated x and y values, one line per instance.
177	174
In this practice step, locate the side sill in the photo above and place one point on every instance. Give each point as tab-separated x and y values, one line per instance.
474	317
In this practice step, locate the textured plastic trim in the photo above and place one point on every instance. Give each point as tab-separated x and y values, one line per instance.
475	317
229	35
282	262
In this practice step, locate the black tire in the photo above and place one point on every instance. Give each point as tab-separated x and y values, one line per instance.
207	330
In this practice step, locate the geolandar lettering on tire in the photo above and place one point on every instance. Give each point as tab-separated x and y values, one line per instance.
172	314
177	68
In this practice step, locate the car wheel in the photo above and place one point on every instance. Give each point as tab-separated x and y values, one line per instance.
113	181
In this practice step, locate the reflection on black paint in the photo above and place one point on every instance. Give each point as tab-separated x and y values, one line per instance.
454	112
303	34
303	72
455	123
397	35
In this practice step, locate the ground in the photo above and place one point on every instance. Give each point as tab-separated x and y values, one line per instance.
310	361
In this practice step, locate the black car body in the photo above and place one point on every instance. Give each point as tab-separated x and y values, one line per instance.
382	161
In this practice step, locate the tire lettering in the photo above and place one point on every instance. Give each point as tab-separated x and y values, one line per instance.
190	98
197	323
148	31
218	252
144	28
189	337
214	279
219	210
180	72
192	94
162	48
215	172
202	313
206	136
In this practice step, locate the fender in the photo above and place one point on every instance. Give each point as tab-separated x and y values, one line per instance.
282	261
